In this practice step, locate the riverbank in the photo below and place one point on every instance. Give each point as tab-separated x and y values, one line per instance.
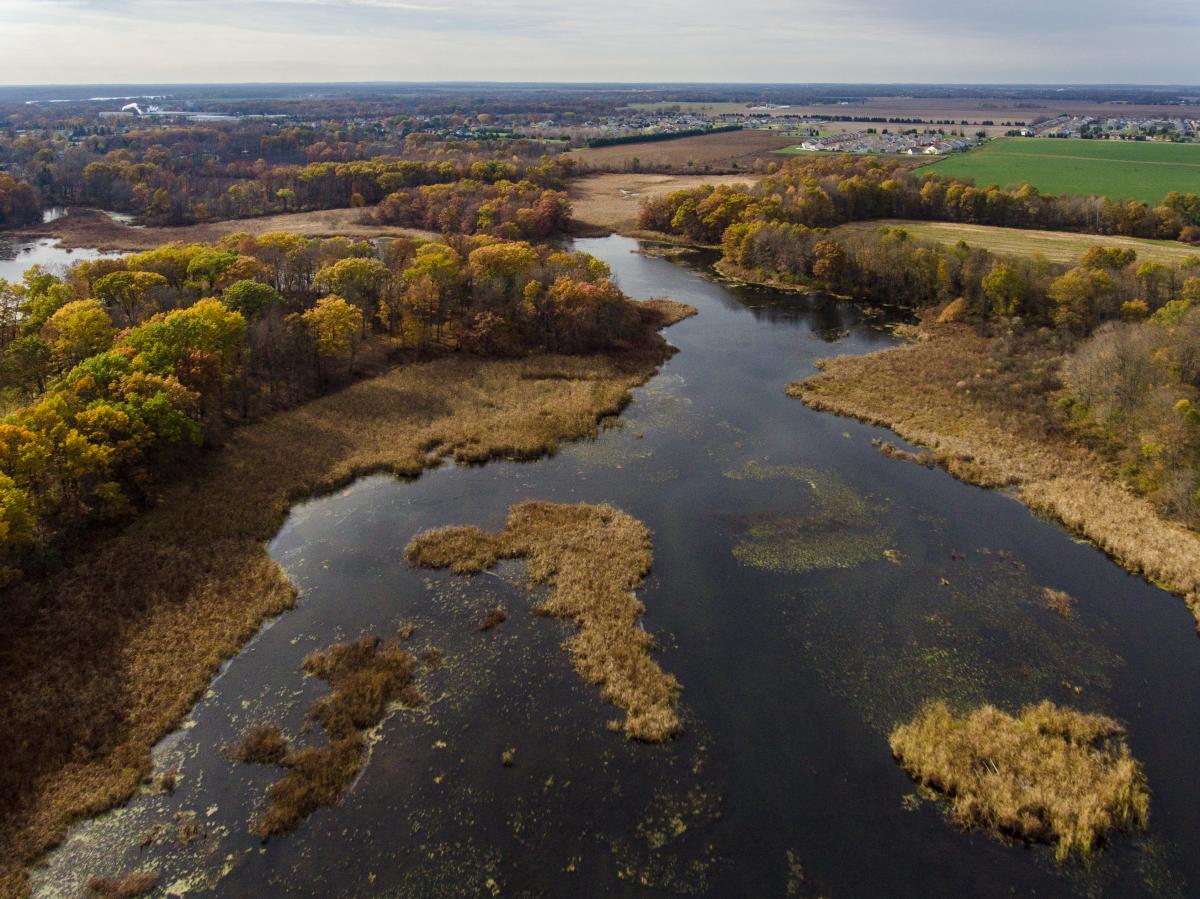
104	658
929	393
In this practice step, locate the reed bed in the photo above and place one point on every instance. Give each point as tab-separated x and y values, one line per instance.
128	886
365	677
592	557
1049	774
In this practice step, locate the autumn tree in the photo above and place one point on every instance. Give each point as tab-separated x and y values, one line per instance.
251	298
1080	298
77	330
335	326
358	281
130	296
1005	289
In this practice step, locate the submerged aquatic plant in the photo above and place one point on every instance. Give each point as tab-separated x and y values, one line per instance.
841	530
592	557
1049	774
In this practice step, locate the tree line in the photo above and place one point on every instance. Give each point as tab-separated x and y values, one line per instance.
827	191
521	210
117	369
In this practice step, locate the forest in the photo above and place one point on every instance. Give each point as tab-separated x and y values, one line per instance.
121	368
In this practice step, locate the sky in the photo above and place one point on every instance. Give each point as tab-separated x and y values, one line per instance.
794	41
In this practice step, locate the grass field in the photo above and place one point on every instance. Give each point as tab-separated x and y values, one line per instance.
611	202
1057	246
1122	170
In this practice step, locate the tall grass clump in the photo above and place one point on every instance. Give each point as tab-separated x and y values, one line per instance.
592	557
1049	774
365	675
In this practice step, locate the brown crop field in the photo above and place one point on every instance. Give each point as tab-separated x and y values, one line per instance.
611	202
729	151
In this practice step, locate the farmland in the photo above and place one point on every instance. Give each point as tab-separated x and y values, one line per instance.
610	202
1121	170
729	151
1056	246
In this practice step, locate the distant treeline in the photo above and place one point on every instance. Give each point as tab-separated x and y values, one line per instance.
651	138
181	175
885	120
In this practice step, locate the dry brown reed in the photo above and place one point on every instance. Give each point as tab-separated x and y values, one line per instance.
927	393
105	656
493	618
1059	601
127	886
592	557
924	457
365	676
263	744
1049	774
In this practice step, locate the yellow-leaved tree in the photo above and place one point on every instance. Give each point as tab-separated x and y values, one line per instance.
335	326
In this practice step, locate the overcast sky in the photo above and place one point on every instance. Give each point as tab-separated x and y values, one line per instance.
97	41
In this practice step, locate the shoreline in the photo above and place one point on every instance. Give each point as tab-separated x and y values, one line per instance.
900	389
106	656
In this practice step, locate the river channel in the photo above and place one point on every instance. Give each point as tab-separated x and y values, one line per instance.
808	593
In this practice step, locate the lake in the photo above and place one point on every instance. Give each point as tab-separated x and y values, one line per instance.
798	642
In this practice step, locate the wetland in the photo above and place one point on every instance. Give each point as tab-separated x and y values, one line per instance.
808	594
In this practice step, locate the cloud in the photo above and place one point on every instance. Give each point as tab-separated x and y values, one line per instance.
588	40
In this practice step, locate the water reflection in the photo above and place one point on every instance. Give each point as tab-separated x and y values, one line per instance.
18	256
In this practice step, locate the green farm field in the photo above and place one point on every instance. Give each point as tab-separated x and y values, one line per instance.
1121	170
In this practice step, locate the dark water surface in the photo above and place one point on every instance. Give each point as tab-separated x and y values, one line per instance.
797	642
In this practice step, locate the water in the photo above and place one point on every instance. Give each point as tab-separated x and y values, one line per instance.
18	256
797	642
